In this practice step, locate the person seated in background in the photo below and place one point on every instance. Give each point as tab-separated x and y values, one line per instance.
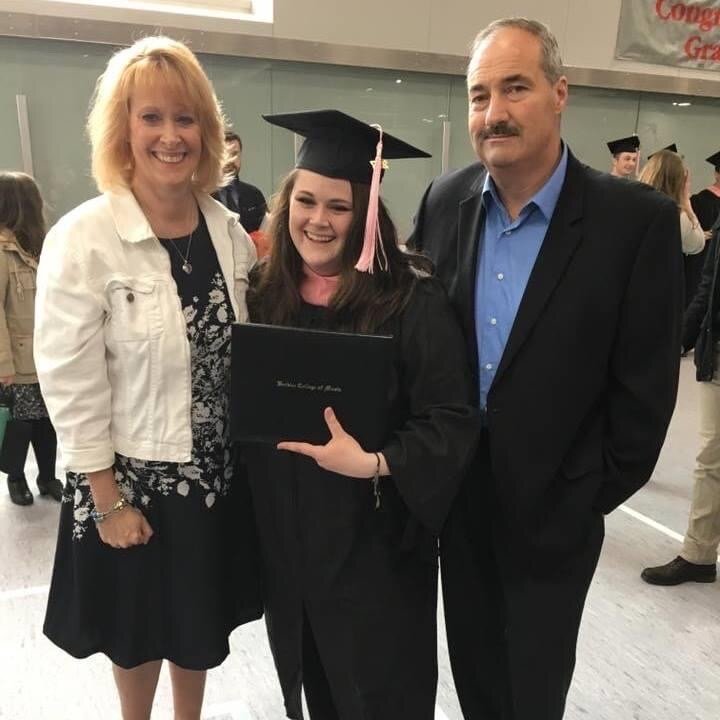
136	295
22	232
349	534
666	172
625	153
243	198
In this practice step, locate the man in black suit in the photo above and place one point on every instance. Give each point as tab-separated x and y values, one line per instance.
241	197
567	283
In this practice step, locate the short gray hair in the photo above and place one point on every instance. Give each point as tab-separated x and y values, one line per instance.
551	61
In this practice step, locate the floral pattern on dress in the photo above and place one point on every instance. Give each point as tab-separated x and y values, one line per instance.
210	470
28	403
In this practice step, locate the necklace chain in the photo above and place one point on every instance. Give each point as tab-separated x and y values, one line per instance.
186	266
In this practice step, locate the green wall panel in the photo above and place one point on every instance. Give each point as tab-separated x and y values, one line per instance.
58	78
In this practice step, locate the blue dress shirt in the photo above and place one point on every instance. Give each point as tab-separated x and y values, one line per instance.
508	251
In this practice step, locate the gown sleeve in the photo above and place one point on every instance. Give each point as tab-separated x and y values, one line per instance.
429	452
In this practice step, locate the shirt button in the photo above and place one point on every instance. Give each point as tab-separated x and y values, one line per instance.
130	297
493	321
488	366
500	276
508	232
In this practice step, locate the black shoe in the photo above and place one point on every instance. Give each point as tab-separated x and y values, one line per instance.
679	571
19	492
52	487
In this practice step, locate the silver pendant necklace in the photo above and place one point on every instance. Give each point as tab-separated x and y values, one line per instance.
186	266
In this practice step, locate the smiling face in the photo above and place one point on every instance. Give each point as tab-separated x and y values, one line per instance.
514	110
624	164
165	141
320	217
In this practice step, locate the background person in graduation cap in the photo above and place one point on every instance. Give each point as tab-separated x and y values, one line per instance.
672	147
625	154
351	579
665	171
567	283
706	205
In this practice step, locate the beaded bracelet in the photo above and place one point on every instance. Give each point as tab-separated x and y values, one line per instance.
376	482
98	516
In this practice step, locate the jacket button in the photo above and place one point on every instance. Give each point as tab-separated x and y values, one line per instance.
130	297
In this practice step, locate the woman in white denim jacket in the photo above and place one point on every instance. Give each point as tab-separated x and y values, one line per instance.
137	291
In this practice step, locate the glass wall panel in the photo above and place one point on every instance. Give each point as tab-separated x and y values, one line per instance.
58	79
461	152
243	87
594	116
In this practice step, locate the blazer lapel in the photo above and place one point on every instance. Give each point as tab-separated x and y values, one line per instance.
470	219
562	238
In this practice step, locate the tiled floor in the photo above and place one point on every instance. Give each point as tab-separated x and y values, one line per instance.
645	653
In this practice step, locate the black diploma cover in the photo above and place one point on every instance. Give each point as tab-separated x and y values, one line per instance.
283	378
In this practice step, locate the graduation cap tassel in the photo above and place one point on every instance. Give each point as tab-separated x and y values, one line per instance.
366	262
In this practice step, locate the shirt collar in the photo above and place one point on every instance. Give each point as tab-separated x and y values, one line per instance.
132	225
545	198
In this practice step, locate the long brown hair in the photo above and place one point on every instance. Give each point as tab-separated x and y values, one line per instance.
363	301
666	172
21	210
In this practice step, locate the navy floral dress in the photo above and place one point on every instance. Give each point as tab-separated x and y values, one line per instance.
179	596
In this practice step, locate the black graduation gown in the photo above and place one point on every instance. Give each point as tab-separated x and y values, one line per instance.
366	579
706	205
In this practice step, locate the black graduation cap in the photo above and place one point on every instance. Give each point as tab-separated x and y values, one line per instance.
626	144
340	146
714	160
672	147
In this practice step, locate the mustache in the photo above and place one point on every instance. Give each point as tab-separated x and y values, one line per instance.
500	129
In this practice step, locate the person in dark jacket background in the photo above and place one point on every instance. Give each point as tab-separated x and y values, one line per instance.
706	206
701	330
242	198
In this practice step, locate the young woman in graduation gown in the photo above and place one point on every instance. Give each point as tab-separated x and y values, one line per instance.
350	560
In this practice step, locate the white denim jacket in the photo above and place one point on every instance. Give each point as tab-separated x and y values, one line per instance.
111	349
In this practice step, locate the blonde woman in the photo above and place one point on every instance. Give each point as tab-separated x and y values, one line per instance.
22	231
666	172
137	290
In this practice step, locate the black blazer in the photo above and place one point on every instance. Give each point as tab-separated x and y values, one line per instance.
580	404
700	320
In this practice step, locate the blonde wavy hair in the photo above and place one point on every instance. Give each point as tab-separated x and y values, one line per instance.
162	64
665	171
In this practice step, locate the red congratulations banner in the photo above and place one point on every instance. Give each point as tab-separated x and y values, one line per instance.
670	33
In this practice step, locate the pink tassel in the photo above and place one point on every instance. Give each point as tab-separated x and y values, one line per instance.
366	262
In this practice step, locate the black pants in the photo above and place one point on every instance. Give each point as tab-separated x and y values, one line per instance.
317	688
44	443
512	633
